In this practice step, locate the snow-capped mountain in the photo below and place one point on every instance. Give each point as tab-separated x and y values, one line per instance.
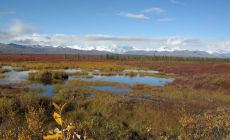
100	50
109	48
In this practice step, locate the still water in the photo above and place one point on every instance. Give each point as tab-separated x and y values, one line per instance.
13	77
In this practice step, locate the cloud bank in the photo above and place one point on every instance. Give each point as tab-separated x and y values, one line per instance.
24	34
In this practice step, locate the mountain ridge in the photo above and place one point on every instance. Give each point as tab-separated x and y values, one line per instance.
13	48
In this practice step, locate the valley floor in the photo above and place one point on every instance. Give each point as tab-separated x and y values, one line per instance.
195	105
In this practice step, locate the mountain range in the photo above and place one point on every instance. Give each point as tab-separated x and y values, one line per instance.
38	49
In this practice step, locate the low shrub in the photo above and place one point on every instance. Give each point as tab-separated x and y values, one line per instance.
4	70
209	125
2	76
48	76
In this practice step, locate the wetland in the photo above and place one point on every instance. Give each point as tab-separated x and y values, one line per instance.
139	98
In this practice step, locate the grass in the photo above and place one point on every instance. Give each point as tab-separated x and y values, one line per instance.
163	114
82	74
18	69
195	106
88	66
209	125
106	115
2	75
113	114
143	74
218	82
79	82
48	76
131	74
4	71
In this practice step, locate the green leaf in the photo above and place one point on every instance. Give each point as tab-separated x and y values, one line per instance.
57	118
56	106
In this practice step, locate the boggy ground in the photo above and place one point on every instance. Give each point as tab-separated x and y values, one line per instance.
194	106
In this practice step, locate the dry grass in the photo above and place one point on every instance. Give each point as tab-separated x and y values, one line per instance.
194	106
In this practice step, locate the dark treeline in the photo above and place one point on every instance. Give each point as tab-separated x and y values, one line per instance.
121	57
144	57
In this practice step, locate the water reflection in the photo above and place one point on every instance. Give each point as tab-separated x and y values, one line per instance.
153	81
13	77
46	89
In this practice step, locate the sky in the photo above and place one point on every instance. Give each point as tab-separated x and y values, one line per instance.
118	25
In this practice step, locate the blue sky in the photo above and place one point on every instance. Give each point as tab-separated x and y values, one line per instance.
176	24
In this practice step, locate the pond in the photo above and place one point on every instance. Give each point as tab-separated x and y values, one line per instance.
70	71
142	71
13	77
46	89
153	81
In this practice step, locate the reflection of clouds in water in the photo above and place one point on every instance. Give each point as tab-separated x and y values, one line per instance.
142	71
46	89
153	81
7	67
70	71
14	77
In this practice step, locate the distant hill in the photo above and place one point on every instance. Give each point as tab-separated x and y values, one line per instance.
37	49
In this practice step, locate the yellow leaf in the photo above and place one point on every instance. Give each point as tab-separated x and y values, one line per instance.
57	118
53	137
62	107
70	127
56	106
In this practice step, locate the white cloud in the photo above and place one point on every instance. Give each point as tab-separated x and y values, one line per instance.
107	42
18	27
169	49
175	41
177	2
165	20
117	43
156	10
142	14
134	16
22	33
182	43
220	46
